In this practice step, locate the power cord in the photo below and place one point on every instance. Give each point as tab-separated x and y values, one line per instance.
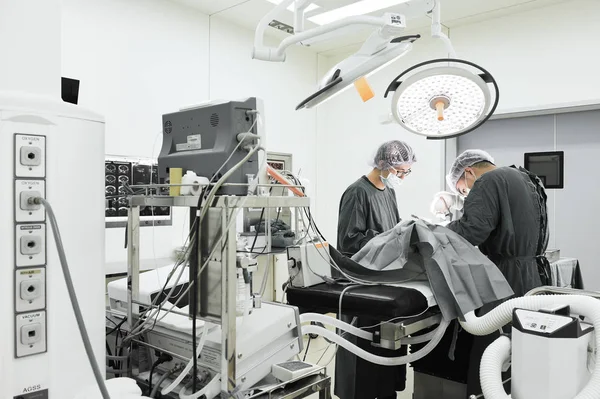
163	378
307	347
72	295
163	358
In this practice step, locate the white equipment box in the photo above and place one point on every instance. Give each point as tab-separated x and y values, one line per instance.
308	264
550	354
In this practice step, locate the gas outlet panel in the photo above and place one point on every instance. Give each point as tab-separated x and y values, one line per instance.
30	156
30	289
30	245
30	334
26	212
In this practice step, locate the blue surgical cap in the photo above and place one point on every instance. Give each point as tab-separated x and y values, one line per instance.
393	154
463	161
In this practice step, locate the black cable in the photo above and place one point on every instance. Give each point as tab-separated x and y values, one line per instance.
120	351
307	346
163	358
262	215
194	301
117	326
111	363
307	210
313	224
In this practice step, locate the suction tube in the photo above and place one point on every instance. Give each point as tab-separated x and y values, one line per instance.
350	329
330	321
490	370
382	361
502	315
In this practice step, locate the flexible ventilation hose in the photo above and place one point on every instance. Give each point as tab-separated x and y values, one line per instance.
331	321
419	339
382	361
502	315
350	329
190	364
490	369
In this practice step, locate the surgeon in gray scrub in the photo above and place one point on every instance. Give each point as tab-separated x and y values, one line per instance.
506	217
368	208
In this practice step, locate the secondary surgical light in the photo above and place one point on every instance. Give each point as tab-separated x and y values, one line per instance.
443	98
370	59
385	45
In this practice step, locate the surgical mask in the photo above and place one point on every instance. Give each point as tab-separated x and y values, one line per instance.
467	189
392	181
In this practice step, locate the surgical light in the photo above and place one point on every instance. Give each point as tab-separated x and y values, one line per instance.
382	47
359	8
362	64
443	98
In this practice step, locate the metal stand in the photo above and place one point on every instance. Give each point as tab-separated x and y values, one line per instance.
216	290
390	335
300	388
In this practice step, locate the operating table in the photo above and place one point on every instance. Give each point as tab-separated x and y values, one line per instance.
402	310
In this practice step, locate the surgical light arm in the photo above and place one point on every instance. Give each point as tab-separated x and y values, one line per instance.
436	29
389	26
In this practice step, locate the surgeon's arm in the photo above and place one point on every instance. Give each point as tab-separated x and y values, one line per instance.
352	224
481	213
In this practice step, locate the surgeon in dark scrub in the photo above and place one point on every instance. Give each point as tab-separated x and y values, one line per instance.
368	207
505	215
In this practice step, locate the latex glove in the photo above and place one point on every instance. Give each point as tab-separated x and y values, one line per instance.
442	203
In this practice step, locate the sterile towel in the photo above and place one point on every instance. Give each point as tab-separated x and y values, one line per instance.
461	277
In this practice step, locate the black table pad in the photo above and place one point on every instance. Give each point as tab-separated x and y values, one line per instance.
375	302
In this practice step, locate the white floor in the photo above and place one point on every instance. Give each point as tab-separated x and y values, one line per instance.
322	353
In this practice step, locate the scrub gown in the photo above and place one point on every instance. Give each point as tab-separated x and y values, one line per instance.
505	215
364	212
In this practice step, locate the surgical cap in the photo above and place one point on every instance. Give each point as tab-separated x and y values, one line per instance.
392	154
465	160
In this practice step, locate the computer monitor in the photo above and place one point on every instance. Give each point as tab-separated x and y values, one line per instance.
548	166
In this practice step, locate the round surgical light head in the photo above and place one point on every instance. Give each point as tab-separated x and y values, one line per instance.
443	98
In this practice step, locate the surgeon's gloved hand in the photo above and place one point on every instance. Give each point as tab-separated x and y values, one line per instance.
442	203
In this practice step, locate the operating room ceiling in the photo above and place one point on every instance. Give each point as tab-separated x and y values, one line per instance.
247	13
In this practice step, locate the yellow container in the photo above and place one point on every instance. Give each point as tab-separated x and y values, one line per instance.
175	178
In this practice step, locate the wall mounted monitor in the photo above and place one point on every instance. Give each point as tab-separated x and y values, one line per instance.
548	166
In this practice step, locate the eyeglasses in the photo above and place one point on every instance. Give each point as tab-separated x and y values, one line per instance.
402	173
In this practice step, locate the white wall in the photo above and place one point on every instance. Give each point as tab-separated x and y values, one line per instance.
541	57
140	59
349	132
136	60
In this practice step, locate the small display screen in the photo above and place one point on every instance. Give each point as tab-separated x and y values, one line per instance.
277	165
548	166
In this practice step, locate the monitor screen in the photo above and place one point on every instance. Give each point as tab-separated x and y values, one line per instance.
548	166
